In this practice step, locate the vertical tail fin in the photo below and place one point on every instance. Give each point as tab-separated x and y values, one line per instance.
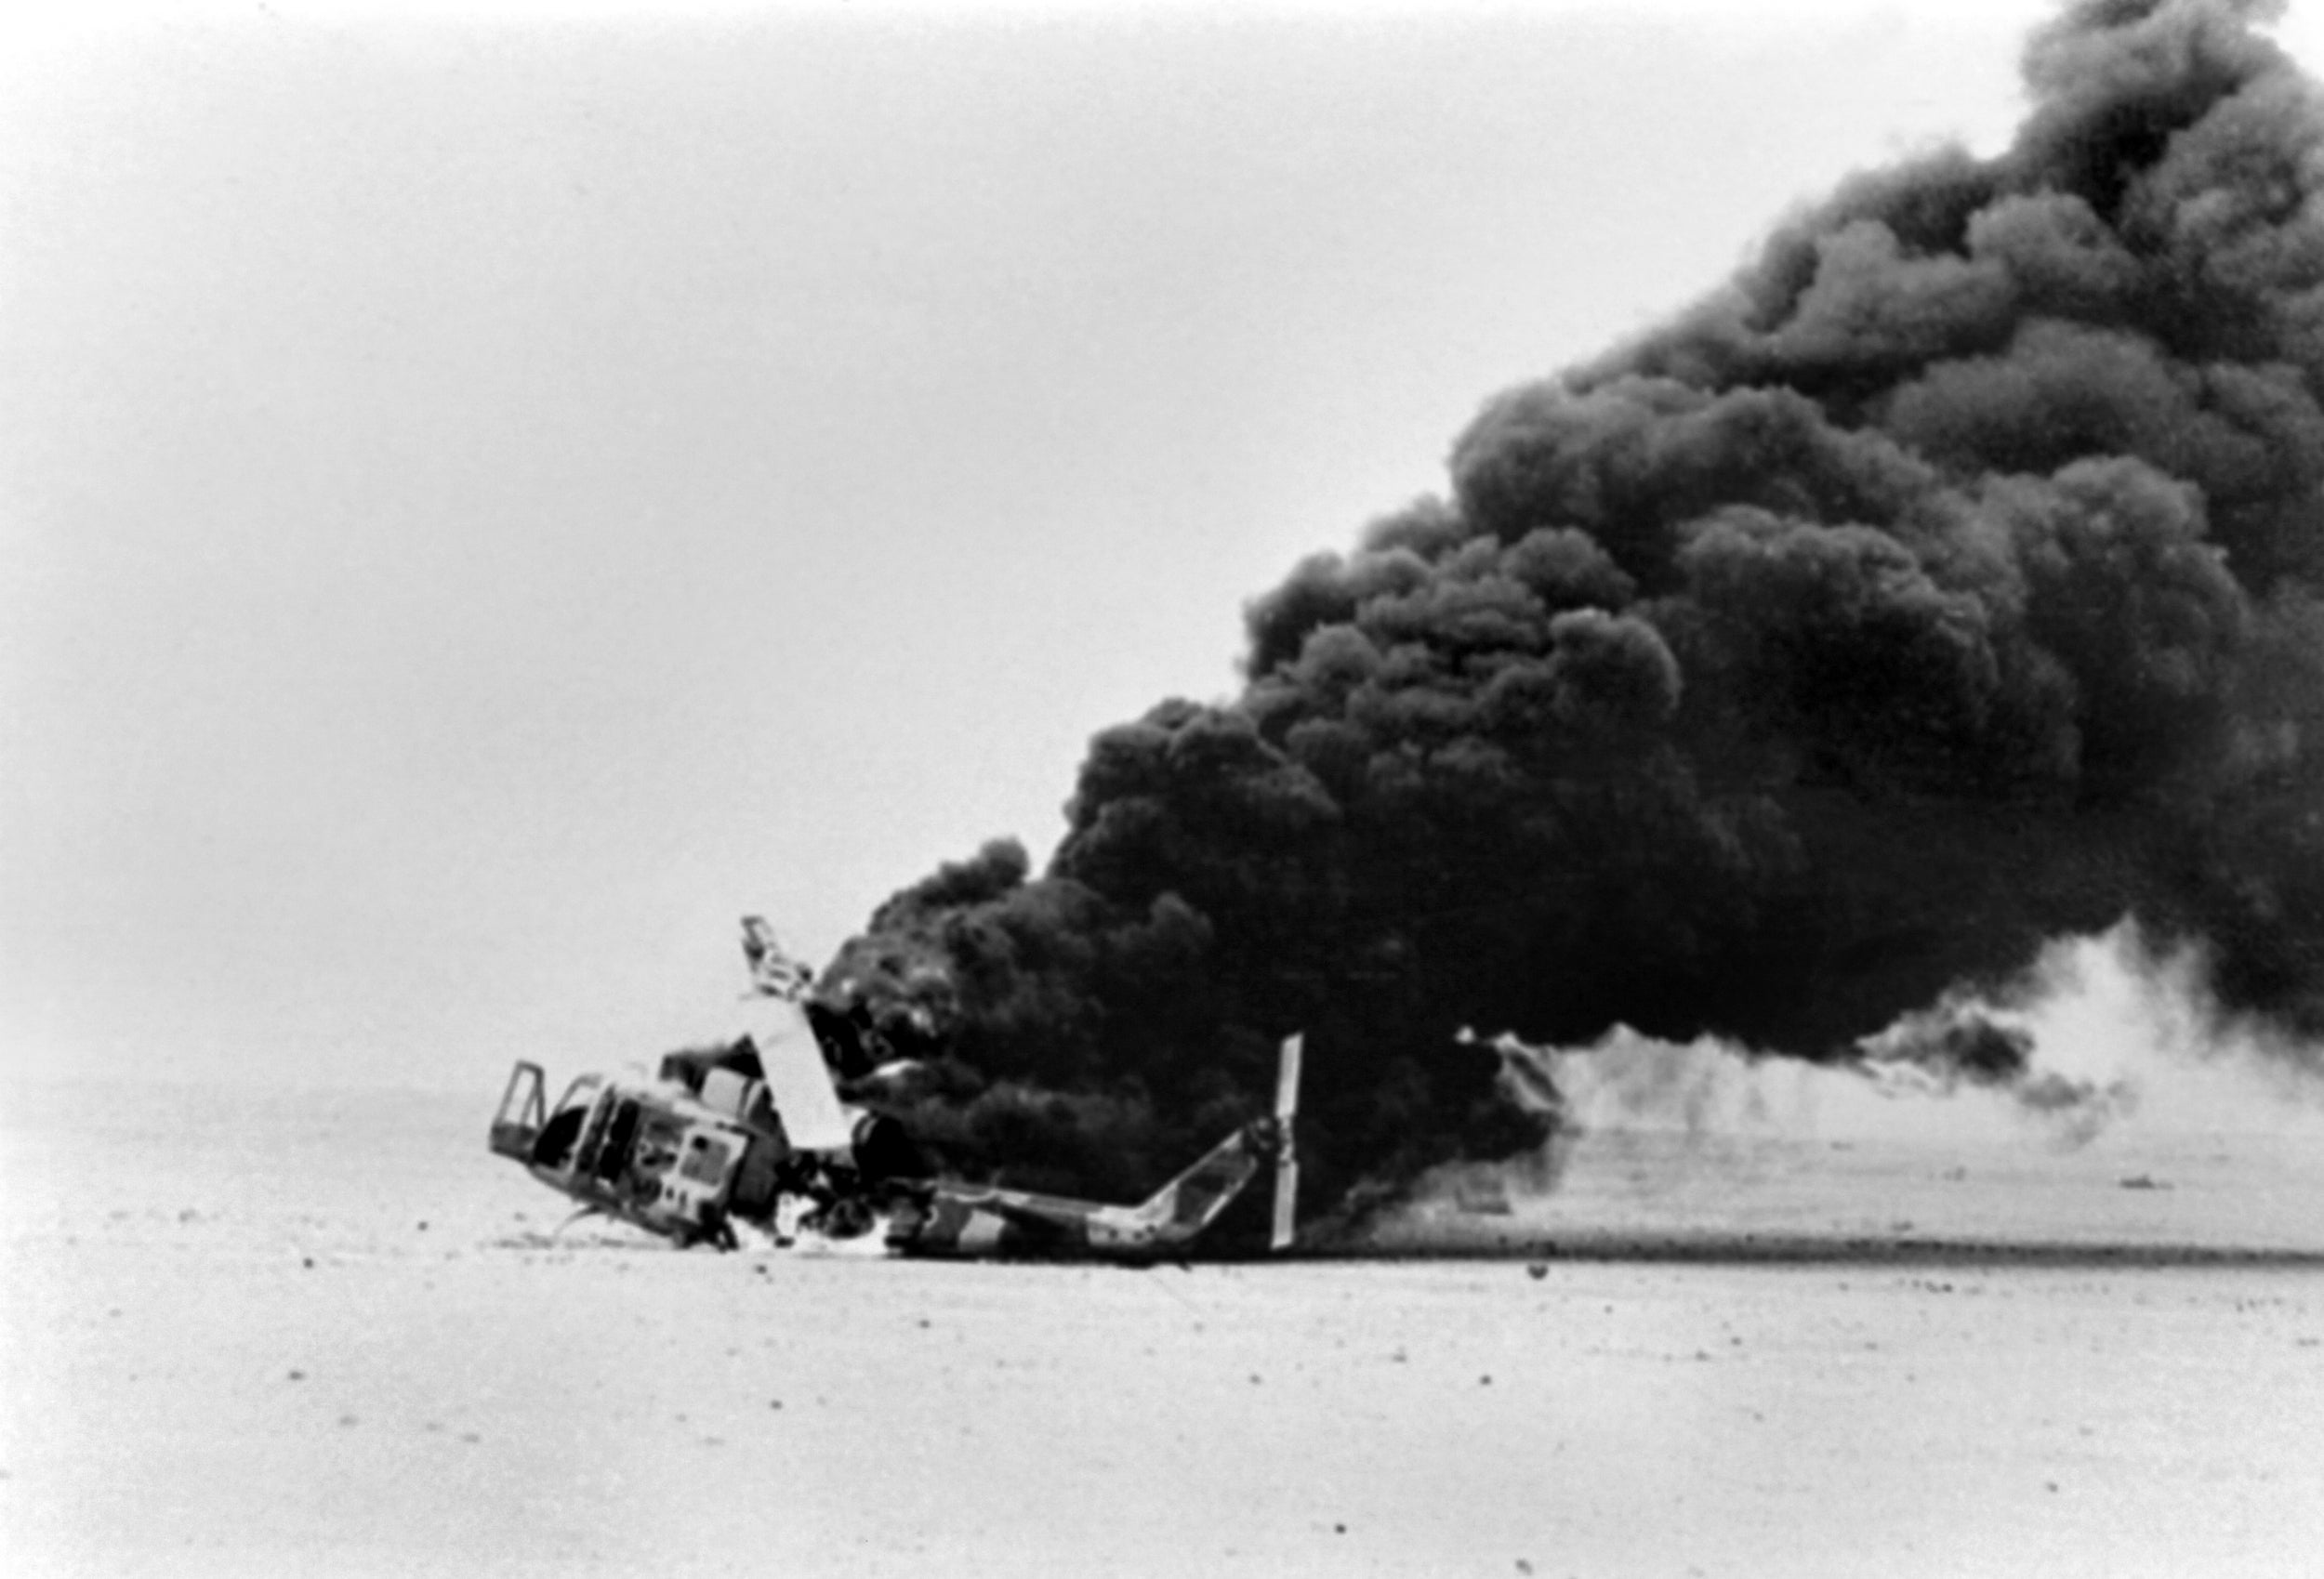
1189	1204
1287	1144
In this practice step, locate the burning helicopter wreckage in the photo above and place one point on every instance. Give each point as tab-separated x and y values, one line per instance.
757	1133
1947	582
778	1130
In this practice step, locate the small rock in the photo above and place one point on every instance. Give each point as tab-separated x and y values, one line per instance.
1537	1270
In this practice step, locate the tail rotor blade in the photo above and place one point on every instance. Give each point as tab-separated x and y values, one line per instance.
1286	1156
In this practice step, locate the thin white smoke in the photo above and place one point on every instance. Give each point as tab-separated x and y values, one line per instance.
2120	1070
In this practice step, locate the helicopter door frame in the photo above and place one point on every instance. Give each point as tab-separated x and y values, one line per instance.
522	1112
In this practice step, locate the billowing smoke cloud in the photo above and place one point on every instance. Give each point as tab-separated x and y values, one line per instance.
1952	580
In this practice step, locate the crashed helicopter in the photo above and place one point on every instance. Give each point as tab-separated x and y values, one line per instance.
755	1133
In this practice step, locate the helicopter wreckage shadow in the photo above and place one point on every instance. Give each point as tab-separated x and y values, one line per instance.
1685	1249
1817	1250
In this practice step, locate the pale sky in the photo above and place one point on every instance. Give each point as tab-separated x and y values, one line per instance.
485	504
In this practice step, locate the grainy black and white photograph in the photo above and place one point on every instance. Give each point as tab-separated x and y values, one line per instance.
1162	789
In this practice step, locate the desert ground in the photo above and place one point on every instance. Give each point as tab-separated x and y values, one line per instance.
325	1333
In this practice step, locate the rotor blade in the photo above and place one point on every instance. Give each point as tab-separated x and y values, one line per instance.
797	1077
1287	1078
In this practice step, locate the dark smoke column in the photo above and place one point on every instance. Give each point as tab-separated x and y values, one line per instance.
1947	581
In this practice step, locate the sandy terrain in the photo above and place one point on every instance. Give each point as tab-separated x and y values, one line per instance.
331	1335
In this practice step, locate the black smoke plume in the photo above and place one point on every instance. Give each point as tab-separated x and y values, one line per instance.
1959	1041
1951	579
